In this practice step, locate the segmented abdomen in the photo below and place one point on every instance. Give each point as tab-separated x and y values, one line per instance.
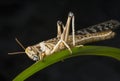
108	25
88	38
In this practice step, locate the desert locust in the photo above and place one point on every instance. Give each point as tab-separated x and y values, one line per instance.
65	40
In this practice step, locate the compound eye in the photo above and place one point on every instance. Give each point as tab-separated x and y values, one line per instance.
29	48
35	58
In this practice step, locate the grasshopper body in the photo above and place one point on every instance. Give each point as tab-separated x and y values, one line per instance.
64	39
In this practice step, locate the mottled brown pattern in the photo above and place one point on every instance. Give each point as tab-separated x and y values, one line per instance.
108	25
83	39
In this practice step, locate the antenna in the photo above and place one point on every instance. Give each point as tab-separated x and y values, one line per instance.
20	46
13	53
19	43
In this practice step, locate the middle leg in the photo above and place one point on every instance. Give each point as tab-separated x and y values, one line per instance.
65	33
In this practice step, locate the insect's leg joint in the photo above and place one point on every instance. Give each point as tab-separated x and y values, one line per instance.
70	14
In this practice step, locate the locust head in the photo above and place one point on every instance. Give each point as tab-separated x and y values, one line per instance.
32	53
38	51
35	52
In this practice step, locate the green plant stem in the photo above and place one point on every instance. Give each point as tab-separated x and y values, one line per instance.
58	56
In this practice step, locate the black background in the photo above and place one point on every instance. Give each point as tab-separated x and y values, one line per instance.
32	21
